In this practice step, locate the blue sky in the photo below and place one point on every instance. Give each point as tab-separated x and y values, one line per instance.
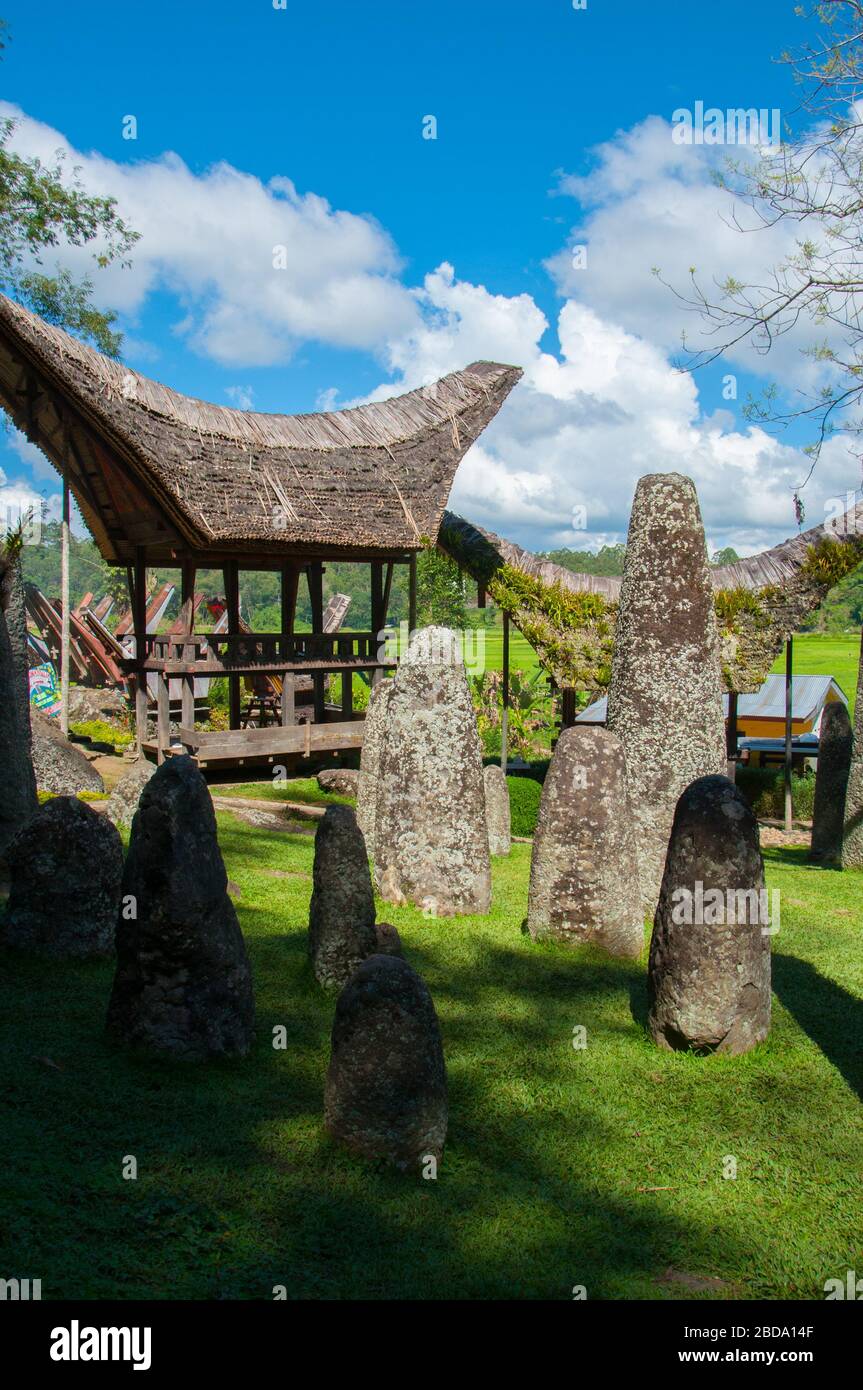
409	257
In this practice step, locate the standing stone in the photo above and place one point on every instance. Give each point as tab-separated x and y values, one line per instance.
584	869
665	698
342	912
367	785
18	801
497	810
16	623
65	869
385	1095
852	840
831	784
59	764
183	985
709	968
431	842
123	801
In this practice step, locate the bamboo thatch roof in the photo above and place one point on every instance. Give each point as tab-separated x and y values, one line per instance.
150	466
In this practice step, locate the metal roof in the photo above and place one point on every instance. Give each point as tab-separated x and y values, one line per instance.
808	698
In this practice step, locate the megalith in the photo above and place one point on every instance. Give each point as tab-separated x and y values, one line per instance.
385	1094
123	801
665	697
65	870
342	911
831	784
709	968
852	838
583	868
497	810
431	842
183	984
367	784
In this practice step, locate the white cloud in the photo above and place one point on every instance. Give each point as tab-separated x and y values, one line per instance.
241	397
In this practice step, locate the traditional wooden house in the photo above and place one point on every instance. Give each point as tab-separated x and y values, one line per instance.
163	479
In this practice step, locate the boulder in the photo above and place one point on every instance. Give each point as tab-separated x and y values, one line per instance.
709	968
852	839
430	837
123	801
183	984
60	766
385	1095
831	784
340	780
389	943
18	801
583	868
367	783
497	811
665	698
342	911
65	869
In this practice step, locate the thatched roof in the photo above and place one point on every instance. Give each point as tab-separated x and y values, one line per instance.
150	466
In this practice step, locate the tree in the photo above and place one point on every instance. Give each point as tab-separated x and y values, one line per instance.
814	181
42	206
440	590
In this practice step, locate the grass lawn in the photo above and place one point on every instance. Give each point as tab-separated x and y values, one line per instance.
823	654
600	1167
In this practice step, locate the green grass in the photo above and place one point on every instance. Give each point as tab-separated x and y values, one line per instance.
825	654
600	1167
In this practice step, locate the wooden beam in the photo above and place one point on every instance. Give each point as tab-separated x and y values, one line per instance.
789	714
731	736
187	618
232	599
504	714
412	593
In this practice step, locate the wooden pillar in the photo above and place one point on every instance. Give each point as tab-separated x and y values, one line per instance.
504	714
65	630
290	584
731	735
288	699
163	717
315	574
138	604
187	618
412	594
789	714
232	599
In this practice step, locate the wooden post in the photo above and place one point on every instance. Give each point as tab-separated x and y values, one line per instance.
232	599
789	714
163	717
412	594
347	694
138	603
316	597
504	714
288	700
187	617
290	584
731	736
65	631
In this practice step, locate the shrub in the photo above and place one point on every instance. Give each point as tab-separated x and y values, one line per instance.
99	731
764	789
524	795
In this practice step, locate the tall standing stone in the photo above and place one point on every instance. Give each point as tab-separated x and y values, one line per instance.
342	912
665	698
831	784
65	870
431	842
367	787
18	801
385	1095
183	985
852	839
584	869
497	810
709	968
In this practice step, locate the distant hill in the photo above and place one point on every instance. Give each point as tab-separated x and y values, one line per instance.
608	560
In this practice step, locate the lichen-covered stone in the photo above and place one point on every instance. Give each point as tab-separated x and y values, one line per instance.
342	911
367	784
386	1095
497	810
389	943
709	968
183	984
852	839
584	870
665	699
343	781
18	799
431	842
831	785
123	801
60	766
65	869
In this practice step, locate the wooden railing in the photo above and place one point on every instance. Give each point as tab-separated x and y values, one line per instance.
206	654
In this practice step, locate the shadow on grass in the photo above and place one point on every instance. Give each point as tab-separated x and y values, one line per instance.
831	1017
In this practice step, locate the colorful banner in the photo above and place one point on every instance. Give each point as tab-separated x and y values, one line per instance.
45	689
